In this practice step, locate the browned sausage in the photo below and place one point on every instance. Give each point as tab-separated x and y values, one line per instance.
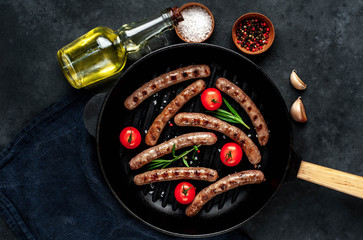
248	105
223	185
176	173
171	109
185	140
236	134
164	81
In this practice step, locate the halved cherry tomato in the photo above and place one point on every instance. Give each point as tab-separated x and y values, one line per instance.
130	137
211	99
184	192
231	154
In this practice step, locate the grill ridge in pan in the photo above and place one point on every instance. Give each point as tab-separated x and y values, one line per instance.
155	204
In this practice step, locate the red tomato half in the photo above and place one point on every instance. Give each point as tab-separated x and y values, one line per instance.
130	137
211	99
184	192
231	154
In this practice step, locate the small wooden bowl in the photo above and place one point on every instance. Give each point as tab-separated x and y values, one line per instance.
194	4
261	18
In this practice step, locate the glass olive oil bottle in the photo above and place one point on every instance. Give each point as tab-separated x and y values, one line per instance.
102	52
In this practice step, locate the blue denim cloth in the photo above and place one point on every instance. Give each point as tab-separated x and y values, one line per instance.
51	186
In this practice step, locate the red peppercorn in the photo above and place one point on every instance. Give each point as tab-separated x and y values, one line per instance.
170	124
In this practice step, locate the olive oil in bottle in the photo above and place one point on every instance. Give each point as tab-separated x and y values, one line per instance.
102	52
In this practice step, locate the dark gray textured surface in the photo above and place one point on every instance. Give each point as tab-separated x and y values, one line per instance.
320	39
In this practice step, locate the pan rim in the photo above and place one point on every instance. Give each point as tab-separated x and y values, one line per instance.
190	45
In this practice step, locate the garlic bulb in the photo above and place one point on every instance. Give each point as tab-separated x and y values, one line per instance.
297	111
296	81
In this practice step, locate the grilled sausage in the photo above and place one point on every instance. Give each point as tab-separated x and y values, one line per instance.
185	140
236	134
176	173
164	81
171	109
248	105
224	184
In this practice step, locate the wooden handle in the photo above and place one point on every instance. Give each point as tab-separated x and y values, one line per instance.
331	178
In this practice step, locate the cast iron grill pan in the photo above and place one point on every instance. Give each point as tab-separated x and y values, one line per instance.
155	204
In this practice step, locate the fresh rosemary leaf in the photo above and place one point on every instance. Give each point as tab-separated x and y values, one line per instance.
232	116
185	162
163	163
231	108
228	119
161	160
223	112
173	150
153	166
167	164
193	156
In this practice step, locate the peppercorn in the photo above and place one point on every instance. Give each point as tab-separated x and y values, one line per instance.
252	34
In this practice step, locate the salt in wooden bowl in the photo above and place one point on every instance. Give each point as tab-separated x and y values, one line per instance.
200	26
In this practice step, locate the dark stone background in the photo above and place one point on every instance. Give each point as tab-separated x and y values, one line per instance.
322	40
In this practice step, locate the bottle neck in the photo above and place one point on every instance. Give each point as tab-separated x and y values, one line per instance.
135	35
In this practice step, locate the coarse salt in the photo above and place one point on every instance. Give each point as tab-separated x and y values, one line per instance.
197	24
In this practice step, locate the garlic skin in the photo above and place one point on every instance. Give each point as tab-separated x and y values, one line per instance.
296	82
297	111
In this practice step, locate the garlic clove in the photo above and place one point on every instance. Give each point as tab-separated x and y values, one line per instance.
297	111
296	82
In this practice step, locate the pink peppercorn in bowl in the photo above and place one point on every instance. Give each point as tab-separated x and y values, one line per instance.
198	23
253	33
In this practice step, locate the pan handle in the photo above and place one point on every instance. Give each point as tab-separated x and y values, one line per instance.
331	178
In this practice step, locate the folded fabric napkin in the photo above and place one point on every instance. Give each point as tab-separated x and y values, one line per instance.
51	186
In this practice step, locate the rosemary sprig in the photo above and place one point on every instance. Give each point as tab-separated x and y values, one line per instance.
163	163
232	116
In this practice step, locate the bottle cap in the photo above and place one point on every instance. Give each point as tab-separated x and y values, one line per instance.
176	15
